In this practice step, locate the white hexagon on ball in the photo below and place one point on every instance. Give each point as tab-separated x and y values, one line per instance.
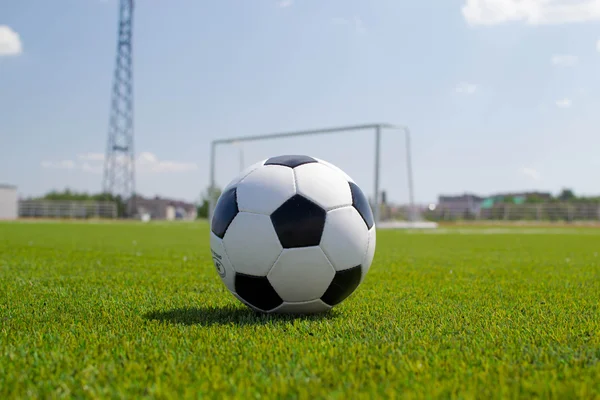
323	185
301	274
265	188
336	168
252	244
243	174
345	238
221	262
370	253
307	307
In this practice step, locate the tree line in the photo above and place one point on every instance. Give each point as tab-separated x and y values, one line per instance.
564	196
70	195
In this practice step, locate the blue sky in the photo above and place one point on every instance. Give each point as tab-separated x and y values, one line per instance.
499	94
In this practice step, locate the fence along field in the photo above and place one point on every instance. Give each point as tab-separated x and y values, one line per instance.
543	212
67	209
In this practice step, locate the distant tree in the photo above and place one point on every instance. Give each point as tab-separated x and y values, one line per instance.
567	195
590	199
535	199
121	204
205	199
68	195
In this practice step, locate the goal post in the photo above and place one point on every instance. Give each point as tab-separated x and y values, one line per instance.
377	129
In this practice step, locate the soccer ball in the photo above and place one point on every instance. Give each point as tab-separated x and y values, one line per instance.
292	234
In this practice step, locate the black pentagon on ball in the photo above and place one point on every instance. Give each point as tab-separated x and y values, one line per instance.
257	291
299	222
344	283
291	161
360	202
225	211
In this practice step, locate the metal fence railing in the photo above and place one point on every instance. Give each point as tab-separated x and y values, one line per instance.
67	209
541	212
550	212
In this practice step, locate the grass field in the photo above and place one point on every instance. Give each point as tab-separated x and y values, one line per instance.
134	310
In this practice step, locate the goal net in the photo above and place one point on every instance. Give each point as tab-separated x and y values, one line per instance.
377	157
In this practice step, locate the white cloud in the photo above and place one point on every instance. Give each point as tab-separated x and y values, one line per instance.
359	25
64	164
147	158
564	60
10	42
564	103
466	88
531	173
146	162
285	3
91	156
92	169
356	22
530	12
598	45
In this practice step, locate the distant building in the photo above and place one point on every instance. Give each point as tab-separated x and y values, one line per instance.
9	202
470	204
521	197
460	205
164	209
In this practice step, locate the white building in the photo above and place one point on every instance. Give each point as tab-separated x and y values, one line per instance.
164	209
9	202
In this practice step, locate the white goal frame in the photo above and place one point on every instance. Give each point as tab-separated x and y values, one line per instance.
375	128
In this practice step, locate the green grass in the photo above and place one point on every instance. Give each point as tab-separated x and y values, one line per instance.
133	310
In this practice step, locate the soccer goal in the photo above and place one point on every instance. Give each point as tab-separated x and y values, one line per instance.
345	146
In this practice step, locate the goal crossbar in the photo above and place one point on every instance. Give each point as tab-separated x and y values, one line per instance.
376	128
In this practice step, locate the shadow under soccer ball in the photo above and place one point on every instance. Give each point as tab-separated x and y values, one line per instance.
207	316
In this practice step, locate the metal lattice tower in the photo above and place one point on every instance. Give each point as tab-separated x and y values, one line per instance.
119	163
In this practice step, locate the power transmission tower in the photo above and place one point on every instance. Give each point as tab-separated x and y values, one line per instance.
119	163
